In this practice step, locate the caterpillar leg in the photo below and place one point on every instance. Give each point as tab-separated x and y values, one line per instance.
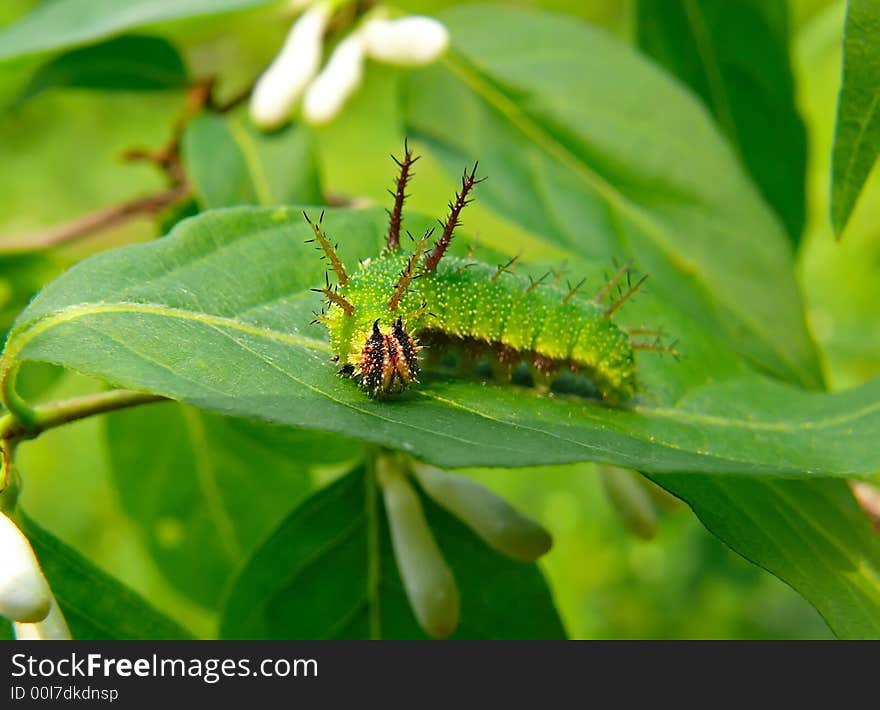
543	371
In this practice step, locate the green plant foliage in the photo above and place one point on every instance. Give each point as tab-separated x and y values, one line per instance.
232	163
579	153
809	533
95	605
857	137
127	63
750	93
213	490
333	557
183	317
67	23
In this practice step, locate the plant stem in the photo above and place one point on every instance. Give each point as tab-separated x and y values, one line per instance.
49	416
375	619
19	410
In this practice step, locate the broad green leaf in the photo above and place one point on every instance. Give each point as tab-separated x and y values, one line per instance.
748	88
95	605
67	23
811	534
232	163
566	123
328	572
857	136
218	315
128	63
214	488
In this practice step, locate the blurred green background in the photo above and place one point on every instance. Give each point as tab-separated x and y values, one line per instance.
60	156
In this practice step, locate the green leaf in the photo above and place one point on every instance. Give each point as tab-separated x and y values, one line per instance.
810	534
128	63
218	315
333	557
67	23
95	605
215	165
232	163
857	135
214	488
750	91
565	121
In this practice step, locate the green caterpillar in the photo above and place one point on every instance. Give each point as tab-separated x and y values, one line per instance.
381	316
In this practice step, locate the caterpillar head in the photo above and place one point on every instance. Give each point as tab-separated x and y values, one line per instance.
388	362
369	339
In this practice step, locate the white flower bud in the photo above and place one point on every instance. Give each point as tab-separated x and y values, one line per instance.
336	82
491	517
24	593
427	579
52	628
283	83
413	40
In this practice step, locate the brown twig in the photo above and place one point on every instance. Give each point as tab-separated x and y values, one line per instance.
230	104
167	159
93	222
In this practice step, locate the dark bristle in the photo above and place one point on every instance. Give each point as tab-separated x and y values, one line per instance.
399	194
468	181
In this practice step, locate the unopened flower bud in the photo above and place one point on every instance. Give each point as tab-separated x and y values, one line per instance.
491	517
24	593
52	628
413	40
337	81
427	579
283	83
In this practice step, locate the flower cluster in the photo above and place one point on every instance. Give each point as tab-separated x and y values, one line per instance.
296	75
428	581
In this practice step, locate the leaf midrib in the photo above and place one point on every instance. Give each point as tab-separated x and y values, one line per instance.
223	324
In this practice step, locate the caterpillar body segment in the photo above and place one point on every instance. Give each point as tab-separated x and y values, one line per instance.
381	316
467	307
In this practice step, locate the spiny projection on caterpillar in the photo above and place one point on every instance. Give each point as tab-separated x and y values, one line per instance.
381	316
